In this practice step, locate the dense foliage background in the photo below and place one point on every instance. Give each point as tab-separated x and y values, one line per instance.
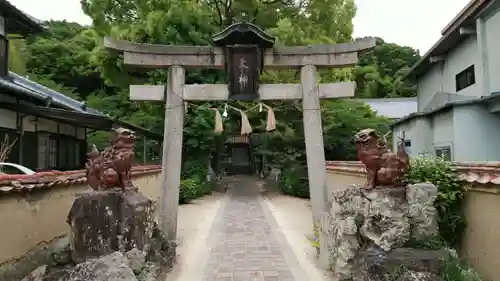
71	58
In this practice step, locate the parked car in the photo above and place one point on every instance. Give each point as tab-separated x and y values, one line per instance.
14	169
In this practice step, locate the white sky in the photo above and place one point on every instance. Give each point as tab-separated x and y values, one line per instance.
406	22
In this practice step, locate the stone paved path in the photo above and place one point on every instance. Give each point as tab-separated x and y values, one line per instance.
245	244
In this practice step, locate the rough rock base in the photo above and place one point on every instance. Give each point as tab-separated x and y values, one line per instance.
375	264
103	222
366	230
55	253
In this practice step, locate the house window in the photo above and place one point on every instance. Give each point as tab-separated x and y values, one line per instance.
465	78
62	156
76	163
69	154
443	152
52	153
43	151
407	145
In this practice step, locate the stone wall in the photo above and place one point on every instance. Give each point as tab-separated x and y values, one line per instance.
482	206
34	209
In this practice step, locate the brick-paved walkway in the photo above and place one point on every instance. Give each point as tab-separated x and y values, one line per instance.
244	244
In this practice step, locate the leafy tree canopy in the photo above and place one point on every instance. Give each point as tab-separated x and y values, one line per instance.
380	71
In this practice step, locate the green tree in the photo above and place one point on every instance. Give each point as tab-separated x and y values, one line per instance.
20	56
62	55
380	71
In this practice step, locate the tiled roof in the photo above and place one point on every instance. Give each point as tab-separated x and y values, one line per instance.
472	172
42	180
446	106
40	91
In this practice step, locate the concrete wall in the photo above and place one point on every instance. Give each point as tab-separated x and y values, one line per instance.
482	206
441	77
426	133
460	58
406	130
340	180
471	131
491	50
442	131
477	137
40	216
428	85
441	98
479	247
481	50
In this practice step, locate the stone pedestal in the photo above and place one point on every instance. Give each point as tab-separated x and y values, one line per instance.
102	222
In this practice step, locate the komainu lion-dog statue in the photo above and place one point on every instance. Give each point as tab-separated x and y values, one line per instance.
383	167
113	166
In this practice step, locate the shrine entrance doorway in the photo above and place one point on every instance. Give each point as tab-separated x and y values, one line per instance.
237	156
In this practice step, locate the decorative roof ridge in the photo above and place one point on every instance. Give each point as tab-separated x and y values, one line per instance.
242	27
471	172
48	179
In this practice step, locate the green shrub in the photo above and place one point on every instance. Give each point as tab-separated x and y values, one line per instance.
450	194
192	189
194	180
294	182
452	269
196	169
427	243
188	191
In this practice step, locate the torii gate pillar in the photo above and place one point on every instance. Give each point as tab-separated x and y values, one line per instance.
172	152
315	149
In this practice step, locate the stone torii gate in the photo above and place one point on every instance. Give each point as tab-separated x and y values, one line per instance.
243	49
